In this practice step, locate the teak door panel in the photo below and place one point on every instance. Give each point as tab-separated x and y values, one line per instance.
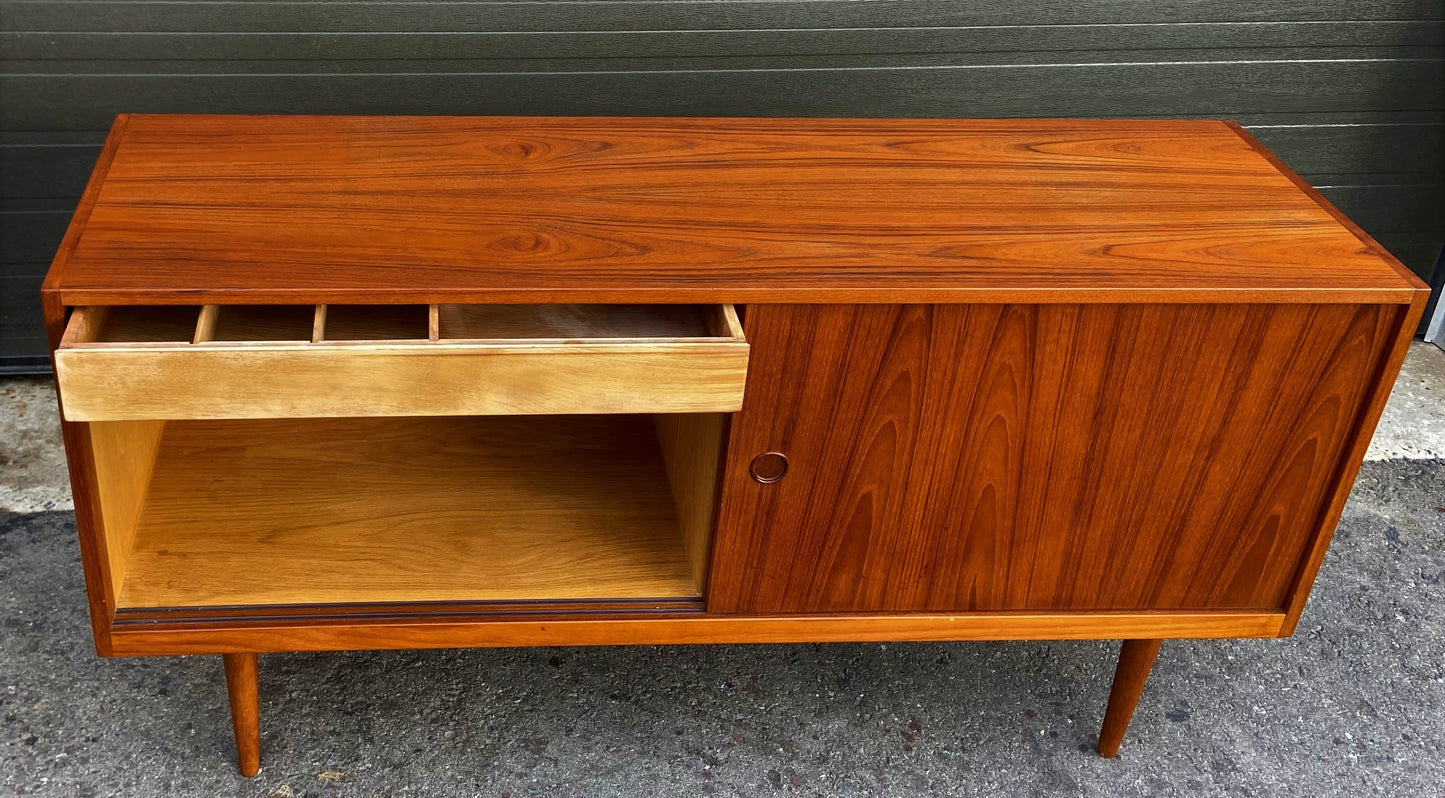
1037	457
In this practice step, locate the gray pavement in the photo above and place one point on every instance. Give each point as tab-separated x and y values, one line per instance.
1353	705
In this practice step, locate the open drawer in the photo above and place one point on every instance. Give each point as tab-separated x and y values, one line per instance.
287	361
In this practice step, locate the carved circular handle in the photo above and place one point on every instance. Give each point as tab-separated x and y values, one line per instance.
769	467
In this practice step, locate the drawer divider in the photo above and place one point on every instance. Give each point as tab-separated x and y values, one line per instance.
84	326
206	324
318	325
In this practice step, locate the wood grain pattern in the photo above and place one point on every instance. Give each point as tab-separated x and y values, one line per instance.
148	638
88	525
1379	394
499	209
577	321
318	324
150	324
238	323
692	445
1343	481
84	326
243	692
139	325
1300	183
258	377
206	321
378	510
730	324
1081	464
1136	660
257	382
124	454
78	220
960	458
1341	109
377	323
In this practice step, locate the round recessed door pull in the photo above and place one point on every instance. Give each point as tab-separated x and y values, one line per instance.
769	467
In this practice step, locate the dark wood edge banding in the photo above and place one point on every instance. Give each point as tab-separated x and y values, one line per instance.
409	609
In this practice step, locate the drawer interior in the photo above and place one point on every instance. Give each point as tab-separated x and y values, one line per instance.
139	324
570	322
254	323
129	363
372	323
250	325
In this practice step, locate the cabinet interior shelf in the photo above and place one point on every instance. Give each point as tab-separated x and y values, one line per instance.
376	510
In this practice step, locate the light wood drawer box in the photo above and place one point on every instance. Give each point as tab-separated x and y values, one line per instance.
236	361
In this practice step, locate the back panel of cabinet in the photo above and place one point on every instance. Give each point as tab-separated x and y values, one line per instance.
1038	457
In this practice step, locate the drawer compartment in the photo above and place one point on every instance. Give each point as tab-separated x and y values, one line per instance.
294	361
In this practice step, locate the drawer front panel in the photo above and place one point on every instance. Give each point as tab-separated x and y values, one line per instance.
1038	457
109	380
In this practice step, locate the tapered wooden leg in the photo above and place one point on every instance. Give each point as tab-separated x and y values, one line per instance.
1136	659
245	710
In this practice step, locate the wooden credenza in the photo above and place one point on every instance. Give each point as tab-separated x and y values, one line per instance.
360	382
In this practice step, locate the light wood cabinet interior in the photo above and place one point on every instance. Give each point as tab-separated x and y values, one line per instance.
211	514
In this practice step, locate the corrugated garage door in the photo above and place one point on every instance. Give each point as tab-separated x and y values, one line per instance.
1349	92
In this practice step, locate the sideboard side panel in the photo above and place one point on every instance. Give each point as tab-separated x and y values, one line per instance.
1408	320
1037	457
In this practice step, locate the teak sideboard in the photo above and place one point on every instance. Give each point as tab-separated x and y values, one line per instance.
388	382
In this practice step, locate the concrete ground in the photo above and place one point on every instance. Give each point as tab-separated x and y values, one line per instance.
1353	704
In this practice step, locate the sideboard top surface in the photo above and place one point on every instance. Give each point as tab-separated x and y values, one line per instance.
191	209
